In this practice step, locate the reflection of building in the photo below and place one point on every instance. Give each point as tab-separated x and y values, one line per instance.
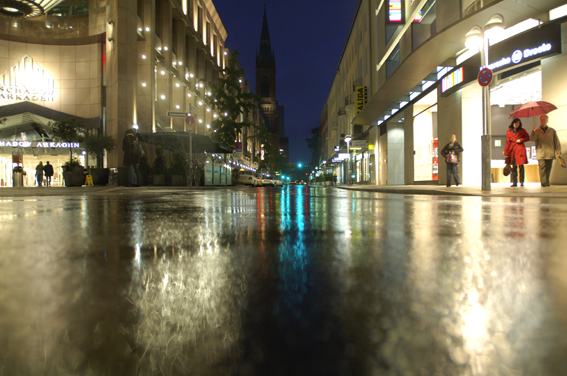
421	86
266	86
117	64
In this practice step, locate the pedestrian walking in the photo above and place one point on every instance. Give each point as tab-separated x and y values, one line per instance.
451	152
335	178
515	149
39	174
48	171
548	148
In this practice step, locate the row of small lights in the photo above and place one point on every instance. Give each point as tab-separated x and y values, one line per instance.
231	162
197	85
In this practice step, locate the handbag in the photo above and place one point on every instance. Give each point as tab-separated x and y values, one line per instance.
562	161
507	168
452	158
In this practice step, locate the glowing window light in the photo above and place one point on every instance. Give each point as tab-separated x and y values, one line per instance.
395	11
452	79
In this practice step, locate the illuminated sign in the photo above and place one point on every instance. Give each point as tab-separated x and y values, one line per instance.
395	11
341	157
525	48
39	144
519	55
452	79
26	81
361	98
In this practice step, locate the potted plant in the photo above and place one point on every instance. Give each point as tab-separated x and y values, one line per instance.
177	171
159	168
96	145
145	170
73	173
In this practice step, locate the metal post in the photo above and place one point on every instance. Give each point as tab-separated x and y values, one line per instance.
486	125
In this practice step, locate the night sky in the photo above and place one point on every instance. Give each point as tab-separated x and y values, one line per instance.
307	38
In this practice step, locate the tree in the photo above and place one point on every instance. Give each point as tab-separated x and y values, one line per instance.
69	130
97	144
230	101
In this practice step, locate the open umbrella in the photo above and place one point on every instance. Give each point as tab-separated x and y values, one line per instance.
532	109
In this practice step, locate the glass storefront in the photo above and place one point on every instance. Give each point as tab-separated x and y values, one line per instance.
426	163
29	164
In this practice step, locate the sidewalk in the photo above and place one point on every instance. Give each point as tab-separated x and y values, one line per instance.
498	190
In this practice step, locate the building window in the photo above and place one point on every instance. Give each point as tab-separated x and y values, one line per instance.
159	17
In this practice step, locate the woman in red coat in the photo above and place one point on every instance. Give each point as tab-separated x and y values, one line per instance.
516	150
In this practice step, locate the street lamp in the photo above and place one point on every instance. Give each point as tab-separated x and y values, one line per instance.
477	39
348	138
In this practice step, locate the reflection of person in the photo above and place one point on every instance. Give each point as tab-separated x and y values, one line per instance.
48	170
452	149
129	157
547	147
516	150
39	174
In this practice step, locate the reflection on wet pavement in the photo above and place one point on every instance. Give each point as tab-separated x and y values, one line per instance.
290	281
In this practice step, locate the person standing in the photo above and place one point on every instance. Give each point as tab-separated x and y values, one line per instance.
548	148
451	152
48	171
335	178
516	150
39	174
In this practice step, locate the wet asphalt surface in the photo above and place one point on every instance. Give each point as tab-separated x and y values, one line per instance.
282	281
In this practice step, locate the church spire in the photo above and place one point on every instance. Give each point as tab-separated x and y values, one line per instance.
265	57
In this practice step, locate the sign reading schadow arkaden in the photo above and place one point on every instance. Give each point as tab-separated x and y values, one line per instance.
525	48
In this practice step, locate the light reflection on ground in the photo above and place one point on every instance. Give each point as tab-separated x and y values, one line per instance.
292	280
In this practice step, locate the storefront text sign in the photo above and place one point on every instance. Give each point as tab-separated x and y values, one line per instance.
39	144
525	48
361	98
26	81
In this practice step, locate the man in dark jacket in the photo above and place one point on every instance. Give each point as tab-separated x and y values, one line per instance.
48	171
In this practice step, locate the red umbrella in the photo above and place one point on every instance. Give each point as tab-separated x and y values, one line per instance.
532	109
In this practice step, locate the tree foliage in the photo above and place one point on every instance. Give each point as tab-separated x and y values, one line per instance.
69	130
229	99
96	144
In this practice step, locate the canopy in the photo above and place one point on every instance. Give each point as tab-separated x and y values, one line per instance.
179	142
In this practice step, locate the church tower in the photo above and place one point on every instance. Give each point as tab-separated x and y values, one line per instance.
266	82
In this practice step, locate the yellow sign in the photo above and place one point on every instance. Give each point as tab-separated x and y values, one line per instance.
361	96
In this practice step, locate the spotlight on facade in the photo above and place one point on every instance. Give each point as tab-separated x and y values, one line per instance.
135	126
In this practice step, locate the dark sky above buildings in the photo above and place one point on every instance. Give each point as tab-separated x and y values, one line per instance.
308	38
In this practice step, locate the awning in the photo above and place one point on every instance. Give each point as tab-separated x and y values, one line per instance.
179	142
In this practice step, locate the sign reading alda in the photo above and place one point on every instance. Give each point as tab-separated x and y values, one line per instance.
26	81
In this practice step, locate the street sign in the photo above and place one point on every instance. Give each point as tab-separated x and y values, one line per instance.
485	76
176	114
189	120
358	144
239	147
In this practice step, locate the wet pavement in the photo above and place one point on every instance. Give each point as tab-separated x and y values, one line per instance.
281	281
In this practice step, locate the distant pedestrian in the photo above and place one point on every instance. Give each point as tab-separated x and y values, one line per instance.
39	174
335	178
547	148
451	152
516	150
48	171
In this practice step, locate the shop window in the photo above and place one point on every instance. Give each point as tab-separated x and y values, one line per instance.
70	8
426	161
140	9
